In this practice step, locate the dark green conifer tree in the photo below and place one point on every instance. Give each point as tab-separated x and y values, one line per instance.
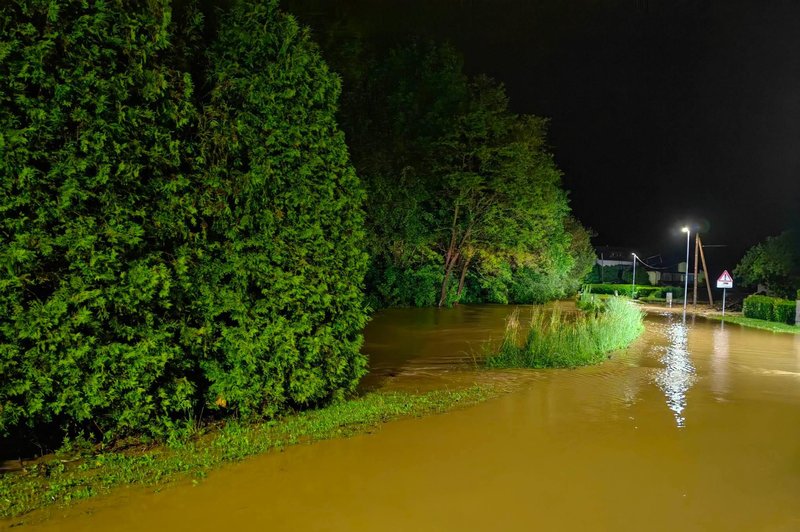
281	282
95	216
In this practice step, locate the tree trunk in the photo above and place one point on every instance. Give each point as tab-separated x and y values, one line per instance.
450	257
447	271
464	269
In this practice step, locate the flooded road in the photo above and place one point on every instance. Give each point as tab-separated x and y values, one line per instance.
695	427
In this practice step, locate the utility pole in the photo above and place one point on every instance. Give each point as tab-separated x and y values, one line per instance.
705	271
698	249
696	245
688	232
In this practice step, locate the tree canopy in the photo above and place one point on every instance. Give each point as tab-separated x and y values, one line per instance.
462	190
774	263
165	250
183	232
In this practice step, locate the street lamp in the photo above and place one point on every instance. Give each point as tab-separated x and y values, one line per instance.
633	281
686	274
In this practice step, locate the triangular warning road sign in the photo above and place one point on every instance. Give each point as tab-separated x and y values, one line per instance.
725	277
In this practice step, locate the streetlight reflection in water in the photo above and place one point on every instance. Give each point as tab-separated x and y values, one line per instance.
678	373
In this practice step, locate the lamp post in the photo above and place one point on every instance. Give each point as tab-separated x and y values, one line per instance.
686	274
633	281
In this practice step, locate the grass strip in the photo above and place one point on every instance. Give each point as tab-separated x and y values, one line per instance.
559	340
67	477
756	324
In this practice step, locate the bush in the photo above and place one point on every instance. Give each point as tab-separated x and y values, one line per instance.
279	289
758	307
613	274
155	263
95	212
770	309
641	291
407	287
533	286
784	311
642	279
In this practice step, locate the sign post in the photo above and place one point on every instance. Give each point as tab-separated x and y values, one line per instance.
725	281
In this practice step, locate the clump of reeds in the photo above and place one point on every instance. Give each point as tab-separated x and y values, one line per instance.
556	340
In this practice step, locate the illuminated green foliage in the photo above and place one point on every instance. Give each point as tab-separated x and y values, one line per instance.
555	340
280	283
166	251
775	263
457	184
769	309
95	215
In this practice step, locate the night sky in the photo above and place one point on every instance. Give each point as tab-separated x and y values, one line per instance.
662	112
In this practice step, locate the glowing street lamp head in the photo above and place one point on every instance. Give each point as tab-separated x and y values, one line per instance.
684	230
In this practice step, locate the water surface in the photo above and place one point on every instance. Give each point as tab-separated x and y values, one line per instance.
695	427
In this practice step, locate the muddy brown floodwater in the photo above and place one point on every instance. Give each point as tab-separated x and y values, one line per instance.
695	427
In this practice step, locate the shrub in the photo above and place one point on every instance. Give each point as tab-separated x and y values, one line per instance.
758	307
641	276
770	309
155	262
279	298
641	291
532	286
408	287
611	289
95	211
784	311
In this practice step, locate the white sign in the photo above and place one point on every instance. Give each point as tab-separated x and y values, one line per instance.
725	280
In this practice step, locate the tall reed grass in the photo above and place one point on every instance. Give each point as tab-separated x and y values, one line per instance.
558	340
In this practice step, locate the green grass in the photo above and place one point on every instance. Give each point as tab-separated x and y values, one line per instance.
73	474
757	324
560	340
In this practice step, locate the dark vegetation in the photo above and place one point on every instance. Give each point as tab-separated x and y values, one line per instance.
770	309
616	274
774	264
183	237
642	292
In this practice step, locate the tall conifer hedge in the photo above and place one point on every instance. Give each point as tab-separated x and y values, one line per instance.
92	211
164	252
280	288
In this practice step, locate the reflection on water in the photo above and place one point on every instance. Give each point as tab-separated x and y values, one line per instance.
720	352
677	376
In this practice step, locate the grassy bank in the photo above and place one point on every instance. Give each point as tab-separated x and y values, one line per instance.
558	340
757	324
74	474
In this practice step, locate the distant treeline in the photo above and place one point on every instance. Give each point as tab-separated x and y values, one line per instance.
183	234
465	202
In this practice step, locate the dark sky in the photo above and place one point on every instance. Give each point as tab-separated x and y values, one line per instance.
662	111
